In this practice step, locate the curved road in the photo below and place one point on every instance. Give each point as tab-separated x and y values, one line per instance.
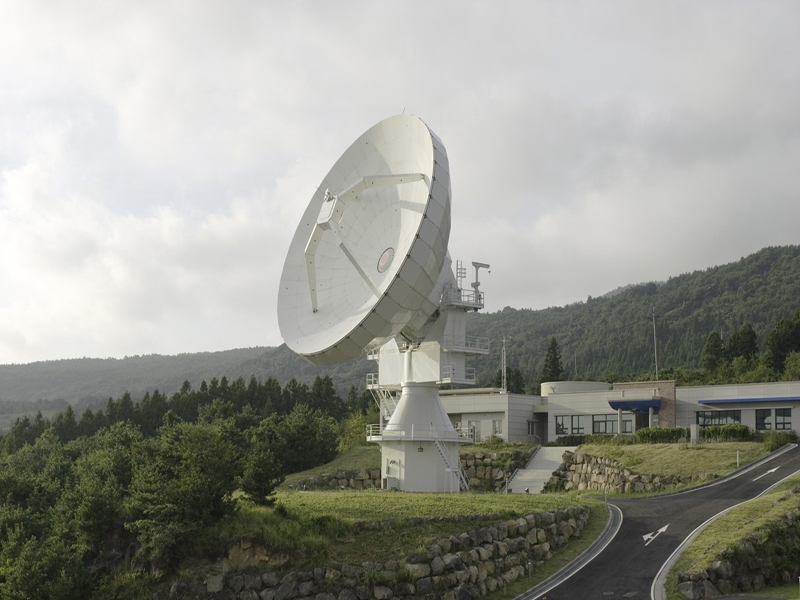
653	528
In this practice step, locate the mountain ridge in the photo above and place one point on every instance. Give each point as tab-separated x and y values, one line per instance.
608	334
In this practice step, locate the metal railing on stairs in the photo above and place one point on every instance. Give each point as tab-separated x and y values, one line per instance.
463	484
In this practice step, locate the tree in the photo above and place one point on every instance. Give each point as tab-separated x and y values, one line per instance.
743	343
302	439
359	403
185	484
553	369
323	397
262	471
515	382
713	353
65	426
782	341
294	393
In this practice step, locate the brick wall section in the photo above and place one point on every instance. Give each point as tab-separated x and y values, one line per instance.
666	390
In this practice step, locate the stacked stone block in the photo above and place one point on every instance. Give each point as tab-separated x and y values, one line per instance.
459	567
586	472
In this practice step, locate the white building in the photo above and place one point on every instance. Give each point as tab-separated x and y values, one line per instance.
586	407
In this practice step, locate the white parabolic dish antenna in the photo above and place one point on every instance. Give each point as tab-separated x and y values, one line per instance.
365	261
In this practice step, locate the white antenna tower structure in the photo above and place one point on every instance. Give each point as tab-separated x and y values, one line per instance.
368	271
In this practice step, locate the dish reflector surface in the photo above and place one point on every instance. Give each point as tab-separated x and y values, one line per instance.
370	247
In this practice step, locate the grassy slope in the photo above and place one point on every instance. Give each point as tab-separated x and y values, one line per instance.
680	459
360	457
730	528
323	528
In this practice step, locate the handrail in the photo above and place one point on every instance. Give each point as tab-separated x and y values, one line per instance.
462	297
449	372
422	432
468	342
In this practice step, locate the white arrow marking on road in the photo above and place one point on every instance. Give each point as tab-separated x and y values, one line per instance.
653	535
767	473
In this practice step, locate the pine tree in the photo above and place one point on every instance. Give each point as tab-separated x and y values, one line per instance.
553	370
713	352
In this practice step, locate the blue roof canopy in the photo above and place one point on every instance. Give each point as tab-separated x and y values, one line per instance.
637	406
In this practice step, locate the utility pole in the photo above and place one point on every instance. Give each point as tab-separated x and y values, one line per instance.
655	343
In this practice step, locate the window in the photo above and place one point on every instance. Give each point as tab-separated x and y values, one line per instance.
531	427
604	424
783	418
497	427
571	424
561	425
608	424
578	424
763	419
707	418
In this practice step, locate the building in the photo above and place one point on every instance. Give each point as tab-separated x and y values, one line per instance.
588	407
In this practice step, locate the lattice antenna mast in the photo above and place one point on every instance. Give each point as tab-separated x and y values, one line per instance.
655	340
503	376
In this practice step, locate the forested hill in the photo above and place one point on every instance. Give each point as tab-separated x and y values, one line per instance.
615	334
600	335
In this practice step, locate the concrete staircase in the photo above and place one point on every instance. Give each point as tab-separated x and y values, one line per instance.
539	470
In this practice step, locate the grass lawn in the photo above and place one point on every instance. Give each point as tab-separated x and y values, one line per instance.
360	457
499	448
680	459
785	592
730	528
326	528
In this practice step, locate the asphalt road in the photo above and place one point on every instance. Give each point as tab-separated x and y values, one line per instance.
653	528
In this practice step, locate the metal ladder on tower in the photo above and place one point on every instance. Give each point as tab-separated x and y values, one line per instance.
462	480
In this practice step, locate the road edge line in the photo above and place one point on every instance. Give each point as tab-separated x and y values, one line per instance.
580	561
658	588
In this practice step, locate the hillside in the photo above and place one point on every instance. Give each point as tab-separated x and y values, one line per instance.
613	334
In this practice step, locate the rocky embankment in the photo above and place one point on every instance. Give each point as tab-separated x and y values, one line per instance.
485	471
586	472
766	557
460	567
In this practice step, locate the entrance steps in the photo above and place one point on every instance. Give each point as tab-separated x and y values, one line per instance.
539	470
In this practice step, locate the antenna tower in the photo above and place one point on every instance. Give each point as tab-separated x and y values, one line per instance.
503	376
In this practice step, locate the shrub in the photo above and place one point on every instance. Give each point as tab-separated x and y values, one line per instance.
661	435
776	439
568	440
726	433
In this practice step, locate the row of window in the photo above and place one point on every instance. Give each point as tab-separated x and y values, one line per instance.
708	418
783	418
577	424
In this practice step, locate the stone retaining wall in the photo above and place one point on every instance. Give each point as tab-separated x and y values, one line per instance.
586	472
766	557
484	471
462	567
363	479
489	470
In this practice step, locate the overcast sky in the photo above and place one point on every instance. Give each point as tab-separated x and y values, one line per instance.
156	156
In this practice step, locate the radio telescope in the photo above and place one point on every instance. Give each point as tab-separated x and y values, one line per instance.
368	271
